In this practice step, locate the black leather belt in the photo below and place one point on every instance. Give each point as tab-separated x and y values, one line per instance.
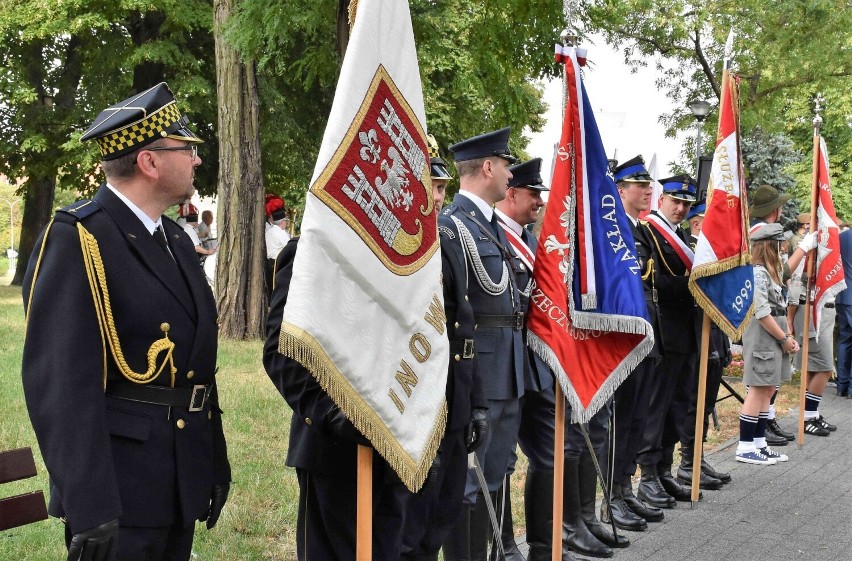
194	398
515	321
779	314
463	347
829	305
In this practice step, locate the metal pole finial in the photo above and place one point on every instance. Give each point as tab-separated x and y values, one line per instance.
818	101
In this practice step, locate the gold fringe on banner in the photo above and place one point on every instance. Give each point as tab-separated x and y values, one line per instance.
302	347
708	305
353	7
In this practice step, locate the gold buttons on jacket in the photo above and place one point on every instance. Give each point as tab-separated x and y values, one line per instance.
190	374
209	415
466	298
309	421
458	325
457	358
181	423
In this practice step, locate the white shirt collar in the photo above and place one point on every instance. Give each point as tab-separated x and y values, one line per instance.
635	221
483	207
674	227
146	220
517	228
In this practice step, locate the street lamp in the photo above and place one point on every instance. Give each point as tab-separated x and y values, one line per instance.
11	223
700	109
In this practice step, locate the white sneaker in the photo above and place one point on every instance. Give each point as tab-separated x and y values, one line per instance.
770	453
755	457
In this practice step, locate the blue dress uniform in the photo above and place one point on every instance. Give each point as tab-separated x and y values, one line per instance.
432	513
323	449
471	237
123	396
679	328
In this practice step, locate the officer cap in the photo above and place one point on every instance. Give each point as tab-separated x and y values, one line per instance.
275	208
697	210
681	187
765	200
137	121
437	166
768	232
632	170
528	174
804	218
494	143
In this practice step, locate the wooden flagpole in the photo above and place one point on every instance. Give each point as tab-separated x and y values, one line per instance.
698	446
806	323
364	509
558	473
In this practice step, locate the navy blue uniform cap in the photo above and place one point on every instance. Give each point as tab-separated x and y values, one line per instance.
494	143
632	170
681	187
528	174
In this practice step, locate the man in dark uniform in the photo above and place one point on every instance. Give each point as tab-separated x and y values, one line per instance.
633	396
120	352
470	234
432	513
720	357
323	449
667	420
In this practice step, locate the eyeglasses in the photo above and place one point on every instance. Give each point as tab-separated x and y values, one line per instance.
191	147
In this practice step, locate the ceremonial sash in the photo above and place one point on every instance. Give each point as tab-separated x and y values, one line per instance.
519	247
683	251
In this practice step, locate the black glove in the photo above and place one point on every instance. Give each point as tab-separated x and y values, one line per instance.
342	427
218	497
95	544
476	430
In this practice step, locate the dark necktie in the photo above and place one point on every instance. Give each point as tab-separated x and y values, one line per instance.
160	238
494	226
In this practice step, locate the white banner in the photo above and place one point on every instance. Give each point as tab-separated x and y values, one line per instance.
365	308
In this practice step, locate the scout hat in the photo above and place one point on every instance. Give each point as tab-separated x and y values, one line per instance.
528	174
804	218
681	187
494	143
437	166
697	210
275	207
766	199
768	232
137	121
632	170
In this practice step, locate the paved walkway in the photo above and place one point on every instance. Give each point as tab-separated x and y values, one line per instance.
799	509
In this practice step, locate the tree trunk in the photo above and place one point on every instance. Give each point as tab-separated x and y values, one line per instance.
240	293
38	208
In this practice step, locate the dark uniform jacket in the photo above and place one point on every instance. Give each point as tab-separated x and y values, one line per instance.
678	313
646	254
500	352
149	465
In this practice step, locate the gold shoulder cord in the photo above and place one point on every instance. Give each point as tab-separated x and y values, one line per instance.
100	295
649	270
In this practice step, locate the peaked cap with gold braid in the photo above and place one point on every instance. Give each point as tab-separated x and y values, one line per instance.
139	120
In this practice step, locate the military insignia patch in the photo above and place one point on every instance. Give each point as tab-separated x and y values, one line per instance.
378	180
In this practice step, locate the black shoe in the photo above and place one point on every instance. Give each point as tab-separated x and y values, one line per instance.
682	493
725	478
773	427
684	477
649	513
812	426
575	533
605	535
652	491
825	424
842	393
624	518
775	439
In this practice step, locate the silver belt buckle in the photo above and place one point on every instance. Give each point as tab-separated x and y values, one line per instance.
519	321
468	351
204	390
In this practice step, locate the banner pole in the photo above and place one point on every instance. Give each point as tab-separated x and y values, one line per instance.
558	473
364	509
806	322
698	446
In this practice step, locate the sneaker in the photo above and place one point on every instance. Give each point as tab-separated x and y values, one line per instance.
769	453
825	424
812	426
755	457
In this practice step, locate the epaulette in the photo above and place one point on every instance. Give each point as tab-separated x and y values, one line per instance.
80	209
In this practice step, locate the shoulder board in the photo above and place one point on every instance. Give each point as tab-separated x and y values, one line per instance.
80	209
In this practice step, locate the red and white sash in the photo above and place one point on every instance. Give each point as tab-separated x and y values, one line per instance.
683	251
520	248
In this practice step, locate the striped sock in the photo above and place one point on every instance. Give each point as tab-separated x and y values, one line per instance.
811	405
748	425
760	430
772	403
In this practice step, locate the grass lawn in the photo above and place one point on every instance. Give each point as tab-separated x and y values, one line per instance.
259	520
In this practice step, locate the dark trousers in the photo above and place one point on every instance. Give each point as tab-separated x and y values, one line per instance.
495	452
433	511
673	372
844	347
679	426
575	442
326	524
538	424
169	543
629	419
